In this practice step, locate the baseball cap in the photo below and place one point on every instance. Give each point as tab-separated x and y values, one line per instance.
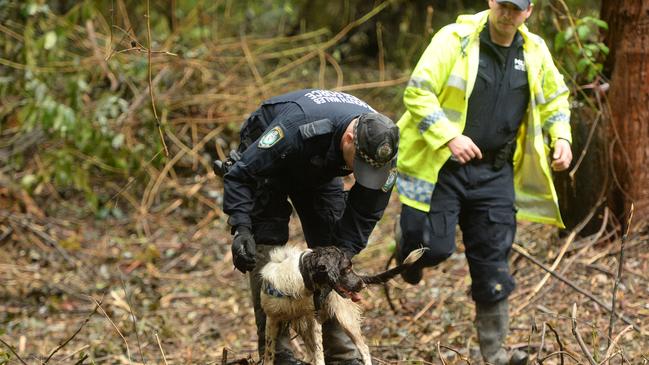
520	4
376	139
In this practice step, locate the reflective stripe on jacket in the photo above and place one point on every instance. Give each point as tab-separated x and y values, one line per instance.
436	100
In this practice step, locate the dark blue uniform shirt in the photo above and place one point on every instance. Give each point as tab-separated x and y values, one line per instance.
299	151
500	96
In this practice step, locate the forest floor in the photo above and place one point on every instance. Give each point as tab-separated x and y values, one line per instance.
171	296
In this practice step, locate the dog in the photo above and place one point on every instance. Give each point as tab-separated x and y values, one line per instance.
307	287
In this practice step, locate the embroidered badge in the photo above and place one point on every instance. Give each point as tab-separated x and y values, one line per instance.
389	183
384	151
270	138
519	65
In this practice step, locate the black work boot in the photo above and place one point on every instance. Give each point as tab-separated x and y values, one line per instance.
338	347
286	358
283	353
492	323
413	274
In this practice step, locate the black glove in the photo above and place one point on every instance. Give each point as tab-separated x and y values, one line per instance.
243	250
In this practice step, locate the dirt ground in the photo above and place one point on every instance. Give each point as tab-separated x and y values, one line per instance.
168	294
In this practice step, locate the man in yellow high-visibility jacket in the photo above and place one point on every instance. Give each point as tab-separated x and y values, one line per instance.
487	120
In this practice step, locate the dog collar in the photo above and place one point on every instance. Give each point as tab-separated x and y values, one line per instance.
272	291
305	275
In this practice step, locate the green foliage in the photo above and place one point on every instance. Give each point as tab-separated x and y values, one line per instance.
68	78
582	49
63	96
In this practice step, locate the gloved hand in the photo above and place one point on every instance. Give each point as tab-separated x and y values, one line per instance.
243	250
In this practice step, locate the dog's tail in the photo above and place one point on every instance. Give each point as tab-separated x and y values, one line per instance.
389	274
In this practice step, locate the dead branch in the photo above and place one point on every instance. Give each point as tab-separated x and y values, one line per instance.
580	341
439	353
525	254
620	268
556	335
439	347
130	309
161	350
39	231
559	353
74	334
614	342
128	351
542	340
155	112
13	352
563	250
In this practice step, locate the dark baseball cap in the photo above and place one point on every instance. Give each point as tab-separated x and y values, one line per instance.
376	139
520	4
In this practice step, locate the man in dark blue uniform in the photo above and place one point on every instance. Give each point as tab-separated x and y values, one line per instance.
298	146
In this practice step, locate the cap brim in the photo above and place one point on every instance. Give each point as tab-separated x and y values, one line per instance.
371	177
521	5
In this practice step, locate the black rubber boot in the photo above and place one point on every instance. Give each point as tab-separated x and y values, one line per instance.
492	323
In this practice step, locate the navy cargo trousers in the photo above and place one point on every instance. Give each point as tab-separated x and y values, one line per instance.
481	200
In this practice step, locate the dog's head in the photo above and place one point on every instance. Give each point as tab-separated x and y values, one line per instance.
330	268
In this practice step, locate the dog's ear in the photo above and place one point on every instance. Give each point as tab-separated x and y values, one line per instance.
324	263
320	273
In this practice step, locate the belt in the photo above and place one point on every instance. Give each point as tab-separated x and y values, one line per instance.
495	158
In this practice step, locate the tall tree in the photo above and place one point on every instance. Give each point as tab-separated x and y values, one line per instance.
628	64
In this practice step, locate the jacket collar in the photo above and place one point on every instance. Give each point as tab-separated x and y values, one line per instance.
334	156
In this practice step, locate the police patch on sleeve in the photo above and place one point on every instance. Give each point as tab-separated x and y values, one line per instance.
270	138
389	183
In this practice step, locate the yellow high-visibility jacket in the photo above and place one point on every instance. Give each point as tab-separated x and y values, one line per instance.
436	100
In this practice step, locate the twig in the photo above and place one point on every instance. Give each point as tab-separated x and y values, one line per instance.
130	309
563	250
556	335
291	65
525	254
74	334
559	353
155	112
6	234
451	349
81	360
585	150
24	222
614	343
381	55
13	351
439	353
161	350
128	350
580	341
252	65
373	85
620	268
542	340
336	66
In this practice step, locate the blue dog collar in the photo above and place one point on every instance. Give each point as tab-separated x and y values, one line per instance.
272	291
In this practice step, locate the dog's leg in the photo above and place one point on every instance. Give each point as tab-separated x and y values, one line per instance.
348	315
311	332
272	331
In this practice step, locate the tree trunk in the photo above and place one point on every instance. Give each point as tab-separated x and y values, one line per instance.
628	39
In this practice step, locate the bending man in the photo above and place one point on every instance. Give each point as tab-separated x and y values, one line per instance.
297	146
